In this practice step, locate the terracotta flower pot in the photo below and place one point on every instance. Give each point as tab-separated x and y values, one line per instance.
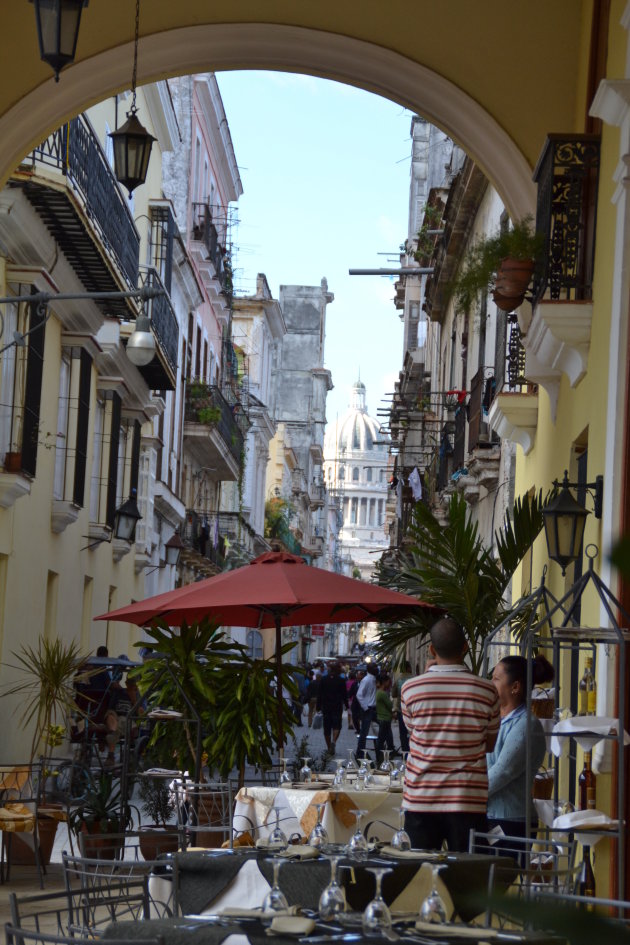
155	840
505	303
514	276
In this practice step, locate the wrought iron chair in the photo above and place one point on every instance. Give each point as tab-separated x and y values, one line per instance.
46	912
204	814
20	787
123	887
19	936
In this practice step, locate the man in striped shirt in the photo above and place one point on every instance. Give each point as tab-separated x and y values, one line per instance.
453	720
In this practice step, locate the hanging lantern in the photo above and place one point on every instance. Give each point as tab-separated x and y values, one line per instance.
141	344
126	519
173	548
132	142
58	23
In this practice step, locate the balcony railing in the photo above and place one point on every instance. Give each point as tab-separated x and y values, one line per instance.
317	494
163	319
204	231
75	150
567	176
212	534
206	405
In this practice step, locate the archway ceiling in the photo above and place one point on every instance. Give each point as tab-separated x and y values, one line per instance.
517	61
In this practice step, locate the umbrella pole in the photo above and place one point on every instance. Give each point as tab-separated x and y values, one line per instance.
279	686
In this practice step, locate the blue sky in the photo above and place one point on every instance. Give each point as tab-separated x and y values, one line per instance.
325	172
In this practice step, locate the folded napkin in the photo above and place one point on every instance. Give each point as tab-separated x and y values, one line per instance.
236	912
409	854
454	930
300	851
291	925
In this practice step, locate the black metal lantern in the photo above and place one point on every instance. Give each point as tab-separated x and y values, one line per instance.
132	142
58	23
173	548
126	519
564	520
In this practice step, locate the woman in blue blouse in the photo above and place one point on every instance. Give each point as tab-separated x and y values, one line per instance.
509	792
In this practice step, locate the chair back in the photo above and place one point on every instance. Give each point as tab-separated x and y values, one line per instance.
204	814
45	912
18	936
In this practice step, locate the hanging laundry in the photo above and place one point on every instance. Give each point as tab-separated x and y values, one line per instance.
415	483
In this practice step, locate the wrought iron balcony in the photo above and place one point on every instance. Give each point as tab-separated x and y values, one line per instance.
211	432
317	494
218	536
204	231
90	215
161	373
567	177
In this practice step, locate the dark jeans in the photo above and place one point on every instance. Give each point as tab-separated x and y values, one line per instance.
403	733
428	831
385	739
367	717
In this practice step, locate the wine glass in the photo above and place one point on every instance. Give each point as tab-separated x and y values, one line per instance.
433	908
401	839
385	764
395	778
277	839
377	916
318	836
352	762
275	900
340	773
403	764
357	846
305	771
369	776
333	897
285	777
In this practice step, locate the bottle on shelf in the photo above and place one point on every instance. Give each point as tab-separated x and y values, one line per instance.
586	880
587	690
587	783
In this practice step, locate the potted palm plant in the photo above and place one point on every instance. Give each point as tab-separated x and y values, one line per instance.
503	262
98	814
158	803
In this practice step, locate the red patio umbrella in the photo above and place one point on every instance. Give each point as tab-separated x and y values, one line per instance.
275	590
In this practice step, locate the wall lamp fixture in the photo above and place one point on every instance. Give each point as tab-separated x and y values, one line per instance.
126	517
172	550
564	519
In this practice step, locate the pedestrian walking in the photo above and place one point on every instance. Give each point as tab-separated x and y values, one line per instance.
331	700
384	714
311	693
366	697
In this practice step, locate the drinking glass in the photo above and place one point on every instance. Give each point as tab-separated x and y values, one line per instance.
277	839
285	777
433	908
333	897
401	839
305	771
275	900
318	836
340	773
357	846
385	764
395	777
369	776
352	762
377	916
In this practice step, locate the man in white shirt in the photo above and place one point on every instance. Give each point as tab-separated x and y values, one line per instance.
366	697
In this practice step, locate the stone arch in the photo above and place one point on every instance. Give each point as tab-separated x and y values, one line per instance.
224	47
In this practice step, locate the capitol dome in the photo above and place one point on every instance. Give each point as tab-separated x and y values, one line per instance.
356	430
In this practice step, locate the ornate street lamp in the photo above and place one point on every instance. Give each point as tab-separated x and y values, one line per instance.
564	520
173	548
141	344
132	142
58	23
126	519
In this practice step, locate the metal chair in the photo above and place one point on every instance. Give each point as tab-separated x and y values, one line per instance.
46	912
20	787
124	885
204	814
19	936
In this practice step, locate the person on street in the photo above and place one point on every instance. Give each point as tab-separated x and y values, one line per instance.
399	680
453	719
331	701
383	716
311	692
366	697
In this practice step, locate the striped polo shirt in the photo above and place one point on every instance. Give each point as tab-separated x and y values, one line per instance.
449	713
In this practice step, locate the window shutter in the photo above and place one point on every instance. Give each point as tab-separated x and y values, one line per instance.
33	392
83	417
112	476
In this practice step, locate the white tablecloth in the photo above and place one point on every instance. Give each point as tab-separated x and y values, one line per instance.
253	811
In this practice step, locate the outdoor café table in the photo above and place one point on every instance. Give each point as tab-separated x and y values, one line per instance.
190	931
253	810
215	880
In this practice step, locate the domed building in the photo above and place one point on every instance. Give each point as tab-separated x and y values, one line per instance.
355	469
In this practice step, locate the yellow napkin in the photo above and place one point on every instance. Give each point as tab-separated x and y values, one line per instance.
237	912
300	851
479	933
292	925
409	854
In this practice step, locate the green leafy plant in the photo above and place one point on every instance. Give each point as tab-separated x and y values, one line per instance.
46	687
233	694
432	218
450	567
157	799
209	415
99	808
479	268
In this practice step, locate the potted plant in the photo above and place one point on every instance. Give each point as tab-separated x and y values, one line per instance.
159	835
97	814
45	686
503	262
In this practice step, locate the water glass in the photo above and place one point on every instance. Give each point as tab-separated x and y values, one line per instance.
377	916
306	773
333	898
433	908
277	841
385	764
401	839
340	774
275	900
285	777
318	836
357	846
